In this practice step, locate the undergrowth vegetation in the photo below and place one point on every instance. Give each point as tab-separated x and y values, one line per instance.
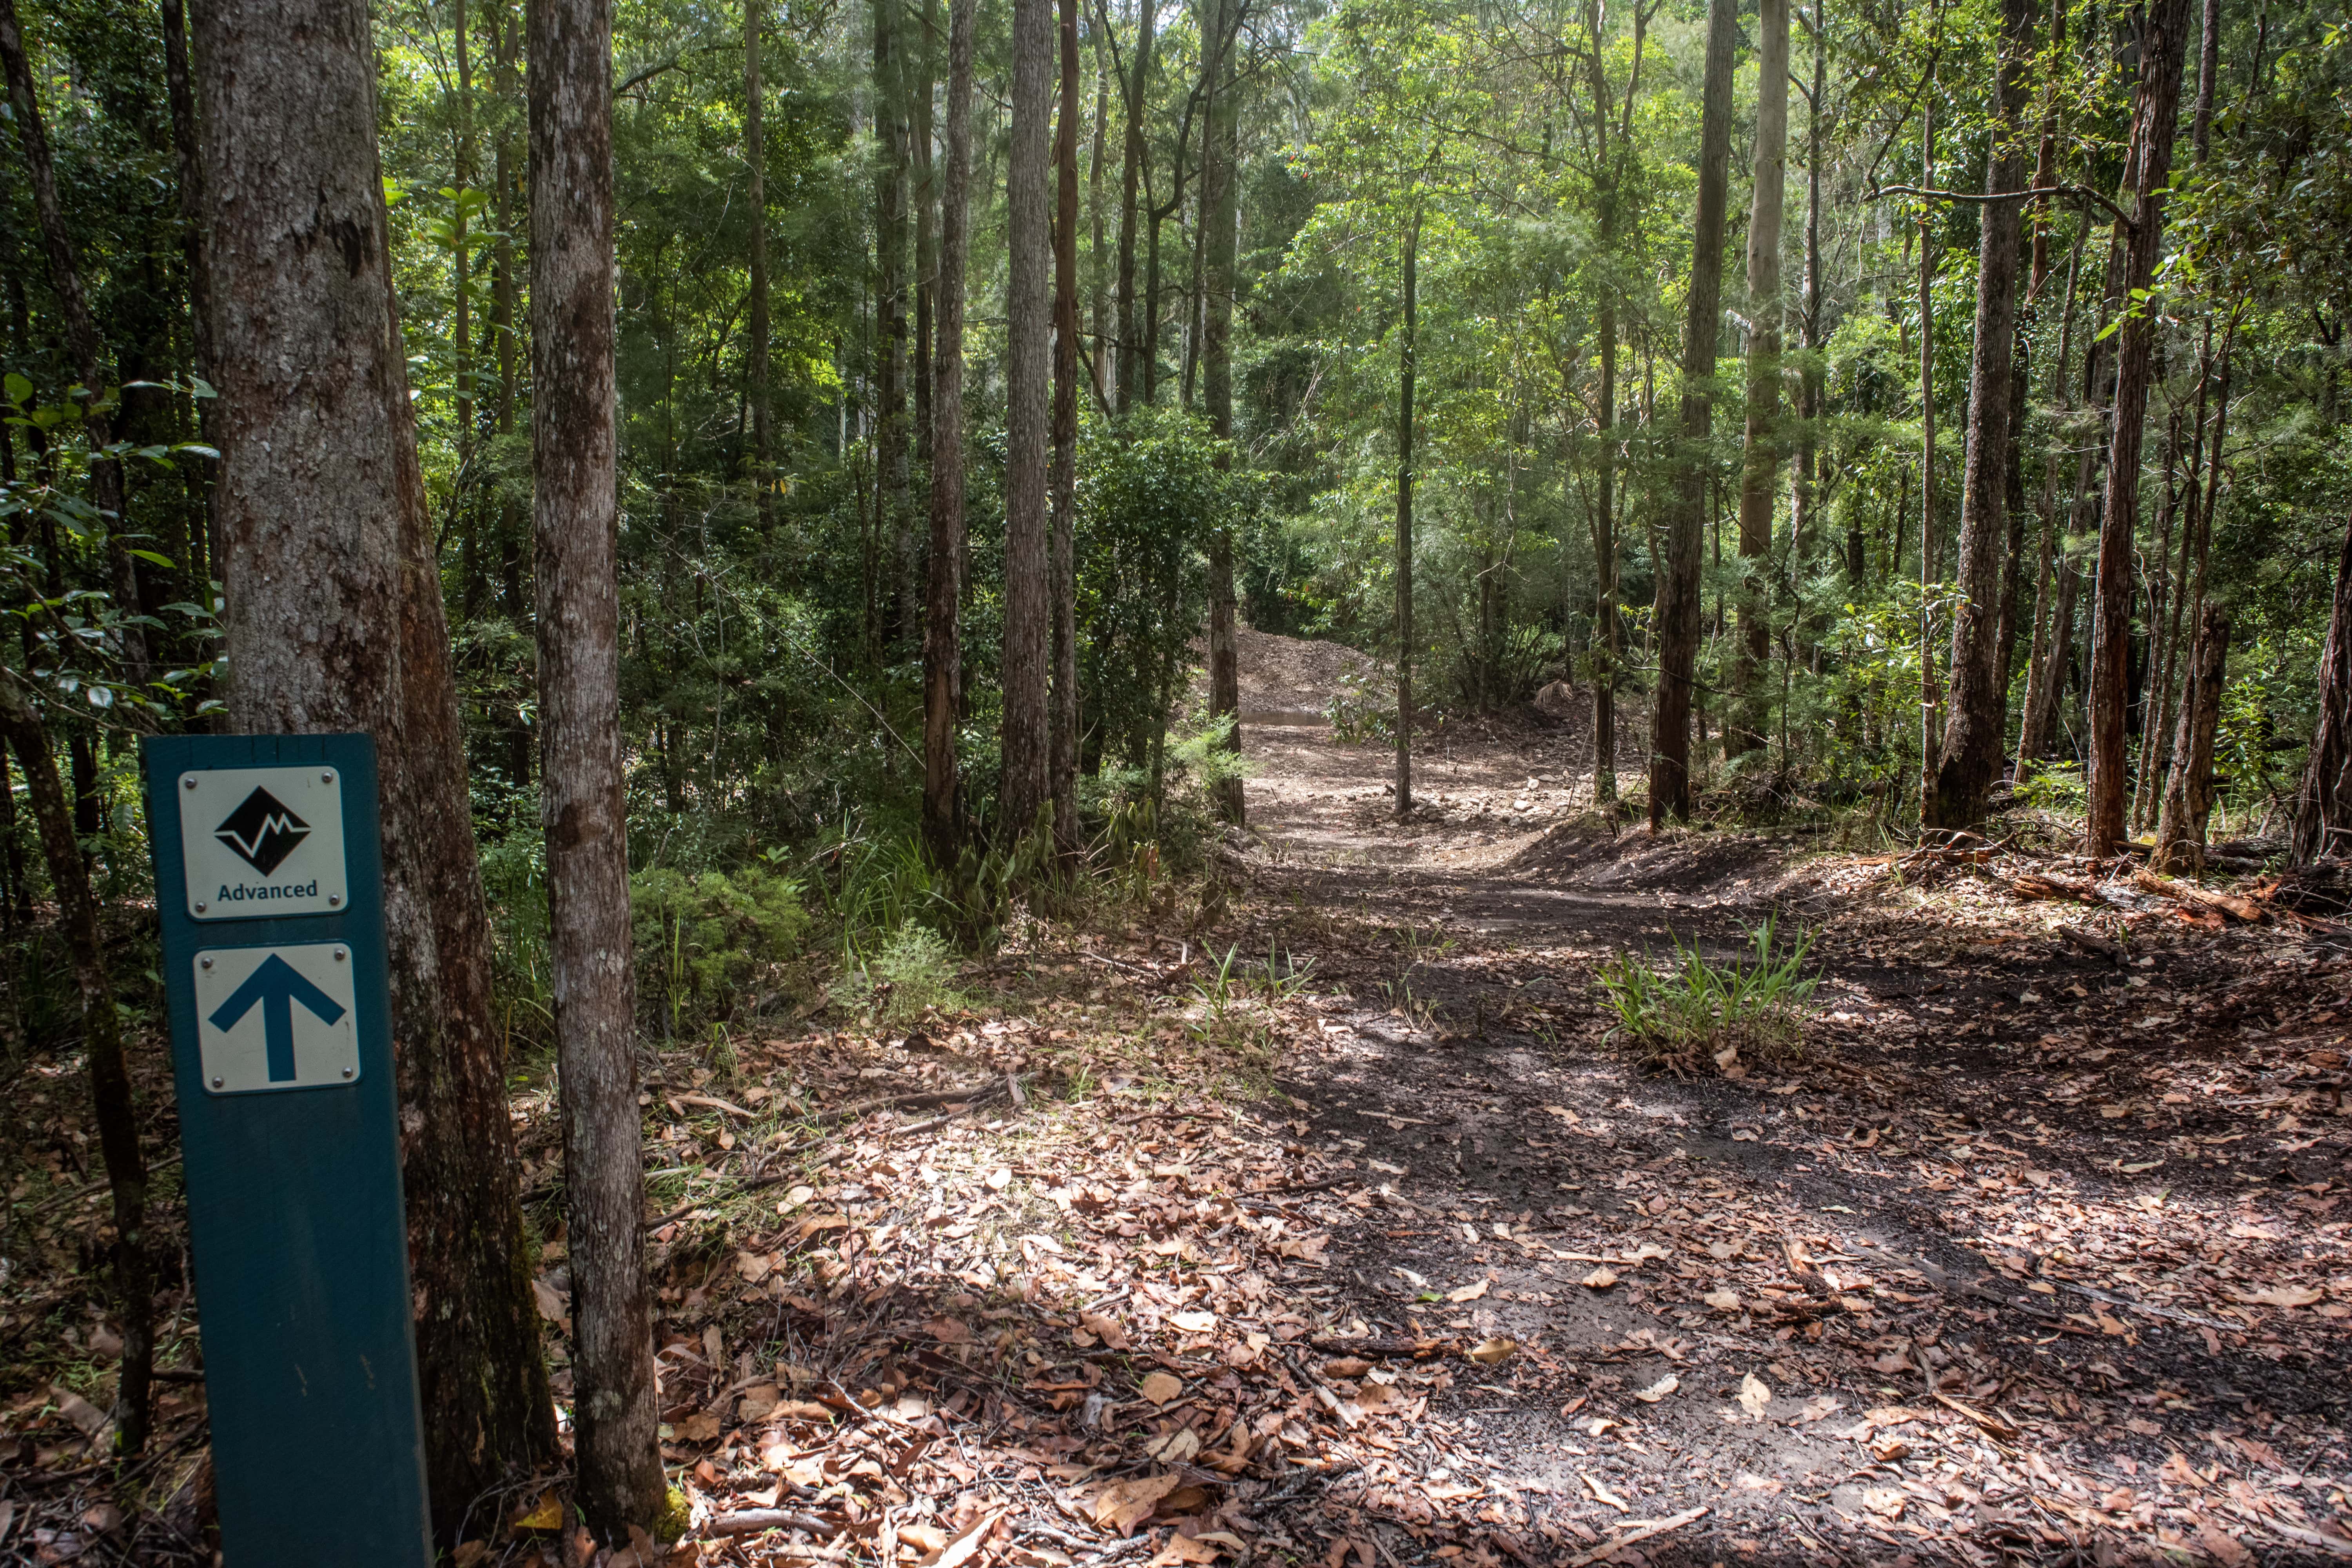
1696	1013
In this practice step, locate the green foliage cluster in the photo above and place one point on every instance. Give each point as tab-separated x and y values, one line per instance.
711	946
1697	1013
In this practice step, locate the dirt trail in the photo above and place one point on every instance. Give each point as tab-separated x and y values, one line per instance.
2022	1228
1315	1215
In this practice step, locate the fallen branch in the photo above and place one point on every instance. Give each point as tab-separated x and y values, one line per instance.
1991	1424
2107	950
1639	1533
2195	897
2051	885
756	1521
908	1101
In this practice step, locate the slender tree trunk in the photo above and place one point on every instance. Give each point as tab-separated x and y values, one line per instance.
2155	112
1604	552
755	156
2208	71
1804	490
891	461
584	797
2323	805
1098	297
1679	608
1131	174
109	1074
203	331
2189	791
467	516
1605	634
1408	363
1760	450
512	524
1220	211
1977	722
1930	744
942	638
1064	477
335	622
2166	601
1028	600
922	126
82	343
2045	659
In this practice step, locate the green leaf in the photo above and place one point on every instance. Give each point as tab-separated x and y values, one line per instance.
20	389
166	562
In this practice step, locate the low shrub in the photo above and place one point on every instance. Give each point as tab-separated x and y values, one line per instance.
711	945
1696	1014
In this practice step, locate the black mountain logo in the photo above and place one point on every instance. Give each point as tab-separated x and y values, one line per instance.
263	831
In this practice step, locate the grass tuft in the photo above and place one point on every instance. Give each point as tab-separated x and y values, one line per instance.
1693	1015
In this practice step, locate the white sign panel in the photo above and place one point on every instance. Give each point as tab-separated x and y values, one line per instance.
263	841
277	1017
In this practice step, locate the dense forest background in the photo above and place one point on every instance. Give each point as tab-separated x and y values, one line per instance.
1494	205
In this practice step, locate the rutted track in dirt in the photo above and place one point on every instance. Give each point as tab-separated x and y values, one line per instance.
1466	1071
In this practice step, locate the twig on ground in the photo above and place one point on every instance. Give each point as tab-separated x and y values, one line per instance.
753	1521
1640	1533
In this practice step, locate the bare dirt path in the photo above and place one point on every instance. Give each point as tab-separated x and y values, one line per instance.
2033	1258
1314	1215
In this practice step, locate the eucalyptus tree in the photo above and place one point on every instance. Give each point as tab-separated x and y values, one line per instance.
584	788
1678	611
1976	705
336	622
1025	737
1761	452
2164	48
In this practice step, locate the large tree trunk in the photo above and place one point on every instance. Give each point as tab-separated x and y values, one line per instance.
2323	805
1063	482
1220	210
335	622
1028	306
584	795
1406	366
755	157
1128	372
1760	449
82	343
942	638
1678	613
2188	792
110	1073
1976	722
2155	112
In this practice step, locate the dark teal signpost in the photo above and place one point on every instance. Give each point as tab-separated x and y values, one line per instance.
269	882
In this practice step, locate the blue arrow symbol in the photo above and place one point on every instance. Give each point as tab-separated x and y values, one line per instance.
275	986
